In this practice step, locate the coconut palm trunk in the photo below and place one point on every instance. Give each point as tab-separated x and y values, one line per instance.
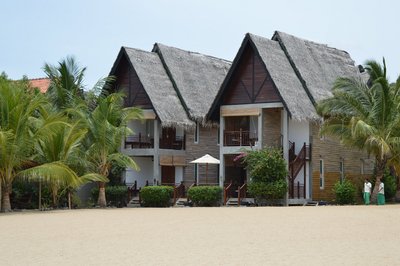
380	169
101	201
5	198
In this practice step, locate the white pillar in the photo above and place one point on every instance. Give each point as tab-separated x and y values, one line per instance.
156	157
285	144
221	155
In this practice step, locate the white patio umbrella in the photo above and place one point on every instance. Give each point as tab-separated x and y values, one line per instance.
206	159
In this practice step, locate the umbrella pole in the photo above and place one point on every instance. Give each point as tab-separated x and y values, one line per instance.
206	173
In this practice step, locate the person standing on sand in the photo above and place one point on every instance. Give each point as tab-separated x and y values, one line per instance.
367	191
381	194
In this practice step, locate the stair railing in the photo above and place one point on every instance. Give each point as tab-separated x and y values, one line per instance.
242	192
228	190
179	191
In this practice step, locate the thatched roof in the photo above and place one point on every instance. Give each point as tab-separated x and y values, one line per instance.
158	87
318	65
292	93
196	77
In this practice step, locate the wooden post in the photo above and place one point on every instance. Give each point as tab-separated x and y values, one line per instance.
240	137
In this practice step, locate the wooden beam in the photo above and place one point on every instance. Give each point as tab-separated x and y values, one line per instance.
240	112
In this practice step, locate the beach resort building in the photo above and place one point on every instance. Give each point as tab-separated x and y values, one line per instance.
196	104
175	89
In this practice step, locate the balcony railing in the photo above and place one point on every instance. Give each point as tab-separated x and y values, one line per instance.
143	142
177	143
239	138
139	141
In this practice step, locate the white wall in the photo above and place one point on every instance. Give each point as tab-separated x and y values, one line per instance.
145	127
299	132
178	174
145	173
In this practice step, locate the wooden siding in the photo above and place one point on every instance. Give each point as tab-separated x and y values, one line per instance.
331	178
271	127
250	82
208	137
128	82
331	151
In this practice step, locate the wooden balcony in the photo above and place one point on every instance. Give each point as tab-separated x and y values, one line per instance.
239	138
176	143
139	142
143	142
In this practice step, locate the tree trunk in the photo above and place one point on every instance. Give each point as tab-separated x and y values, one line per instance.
69	199
380	169
102	195
5	199
40	196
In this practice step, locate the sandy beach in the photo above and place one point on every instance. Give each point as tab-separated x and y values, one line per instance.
324	235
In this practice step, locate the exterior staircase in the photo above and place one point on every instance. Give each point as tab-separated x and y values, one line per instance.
134	203
296	163
181	202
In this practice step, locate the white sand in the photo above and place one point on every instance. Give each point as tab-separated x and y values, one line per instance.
356	235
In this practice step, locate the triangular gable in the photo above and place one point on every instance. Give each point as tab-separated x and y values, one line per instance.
129	83
251	82
281	82
149	86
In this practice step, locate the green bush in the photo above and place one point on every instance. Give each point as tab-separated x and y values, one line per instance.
115	195
205	195
344	192
156	196
266	165
268	172
272	190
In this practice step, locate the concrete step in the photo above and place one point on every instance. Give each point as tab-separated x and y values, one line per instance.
243	202
181	202
311	203
134	203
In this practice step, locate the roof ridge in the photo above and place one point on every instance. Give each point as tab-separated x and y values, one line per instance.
310	41
137	49
192	52
38	78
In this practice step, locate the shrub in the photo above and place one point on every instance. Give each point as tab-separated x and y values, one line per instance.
271	190
156	196
266	165
344	192
268	172
115	195
205	195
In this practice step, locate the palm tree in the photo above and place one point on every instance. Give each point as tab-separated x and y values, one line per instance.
66	86
18	106
107	126
61	150
366	116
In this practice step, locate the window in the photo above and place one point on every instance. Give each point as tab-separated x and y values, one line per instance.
321	174
196	133
341	170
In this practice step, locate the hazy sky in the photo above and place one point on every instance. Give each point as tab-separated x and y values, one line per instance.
39	31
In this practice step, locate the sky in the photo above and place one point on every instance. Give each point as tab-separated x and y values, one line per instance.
44	31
